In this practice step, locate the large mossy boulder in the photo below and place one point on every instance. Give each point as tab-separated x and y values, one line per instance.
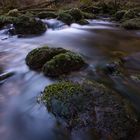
45	14
25	25
132	24
38	57
63	63
65	17
91	106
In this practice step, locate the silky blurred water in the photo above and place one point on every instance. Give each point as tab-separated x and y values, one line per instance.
21	116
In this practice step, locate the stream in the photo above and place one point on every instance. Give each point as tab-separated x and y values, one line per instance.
21	116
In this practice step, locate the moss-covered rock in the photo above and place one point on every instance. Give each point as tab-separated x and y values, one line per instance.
13	13
92	9
4	20
130	14
65	17
91	105
38	57
25	25
63	63
43	15
88	15
83	22
132	24
76	14
135	77
119	14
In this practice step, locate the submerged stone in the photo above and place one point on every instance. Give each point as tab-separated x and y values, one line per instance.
63	63
91	105
38	57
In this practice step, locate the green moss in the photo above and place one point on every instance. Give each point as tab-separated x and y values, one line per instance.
25	25
43	15
63	63
62	92
38	57
132	24
65	17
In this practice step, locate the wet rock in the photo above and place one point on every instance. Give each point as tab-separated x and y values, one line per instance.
43	15
25	25
63	63
4	76
132	24
65	17
91	105
38	57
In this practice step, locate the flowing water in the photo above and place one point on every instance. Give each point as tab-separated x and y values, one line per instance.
21	117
